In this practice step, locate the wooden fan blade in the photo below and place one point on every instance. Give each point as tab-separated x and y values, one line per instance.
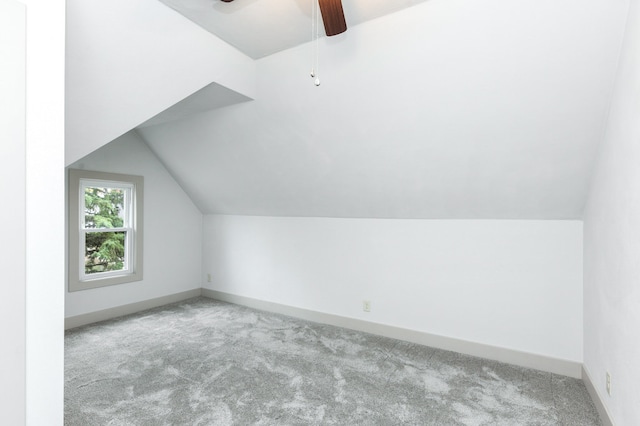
333	17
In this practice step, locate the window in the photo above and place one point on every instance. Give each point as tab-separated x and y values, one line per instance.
105	229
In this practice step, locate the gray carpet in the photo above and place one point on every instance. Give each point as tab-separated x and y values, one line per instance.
203	362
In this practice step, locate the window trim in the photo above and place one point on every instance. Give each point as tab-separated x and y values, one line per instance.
77	279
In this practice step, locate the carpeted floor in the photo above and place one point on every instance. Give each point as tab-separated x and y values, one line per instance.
203	362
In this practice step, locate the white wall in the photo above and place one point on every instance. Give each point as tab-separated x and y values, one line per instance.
172	230
129	60
45	226
511	284
612	244
12	187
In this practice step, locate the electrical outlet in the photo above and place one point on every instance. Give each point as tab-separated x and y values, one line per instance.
608	383
208	278
366	306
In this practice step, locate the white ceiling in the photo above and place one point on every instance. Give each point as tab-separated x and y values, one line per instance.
208	98
262	27
448	109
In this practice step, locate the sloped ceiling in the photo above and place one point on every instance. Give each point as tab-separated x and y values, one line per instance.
259	28
448	109
126	61
210	97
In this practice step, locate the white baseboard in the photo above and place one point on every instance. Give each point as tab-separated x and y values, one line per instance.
118	311
596	398
510	356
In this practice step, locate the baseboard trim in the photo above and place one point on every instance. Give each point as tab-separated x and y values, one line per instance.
131	308
510	356
596	398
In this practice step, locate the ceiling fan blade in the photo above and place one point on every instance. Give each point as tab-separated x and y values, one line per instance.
333	17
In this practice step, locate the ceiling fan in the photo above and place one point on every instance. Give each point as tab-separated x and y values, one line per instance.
332	16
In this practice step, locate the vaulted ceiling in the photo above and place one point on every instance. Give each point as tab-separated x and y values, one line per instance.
446	109
259	28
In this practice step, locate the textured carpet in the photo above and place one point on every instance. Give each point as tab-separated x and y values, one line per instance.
203	362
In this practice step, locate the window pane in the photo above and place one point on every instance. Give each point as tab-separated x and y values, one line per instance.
104	252
104	207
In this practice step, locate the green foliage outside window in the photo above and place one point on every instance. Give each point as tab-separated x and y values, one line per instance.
104	209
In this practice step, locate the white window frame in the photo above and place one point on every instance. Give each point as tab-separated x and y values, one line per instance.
134	187
128	189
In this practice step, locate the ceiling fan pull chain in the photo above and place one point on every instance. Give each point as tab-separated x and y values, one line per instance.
313	18
317	44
